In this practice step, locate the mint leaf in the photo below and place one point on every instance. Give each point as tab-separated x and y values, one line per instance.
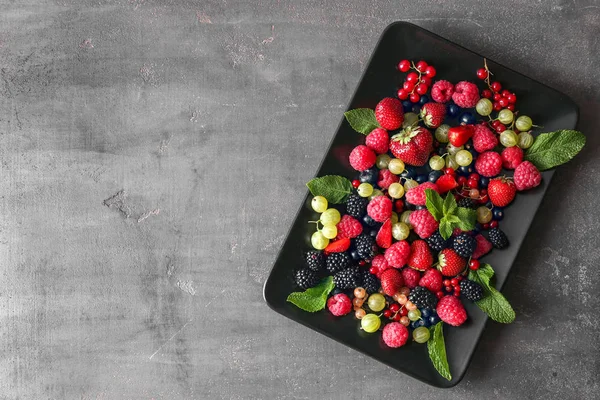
313	299
449	204
445	228
437	350
333	187
362	120
434	203
493	303
467	218
555	148
453	219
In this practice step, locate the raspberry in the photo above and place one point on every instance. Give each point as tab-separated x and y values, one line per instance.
483	246
378	140
484	139
380	208
398	253
389	113
466	94
348	227
395	334
362	158
417	196
432	280
488	164
512	157
411	277
451	311
423	223
386	178
339	304
526	176
380	263
442	91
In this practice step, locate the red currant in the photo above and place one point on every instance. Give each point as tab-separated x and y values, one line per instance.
362	263
500	128
454	281
494	224
402	94
497	96
421	88
496	86
396	317
387	313
415	97
404	65
512	99
486	226
483	192
425	80
511	107
484	198
495	123
461	181
430	71
374	270
439	294
421	66
447	282
503	102
486	93
497	106
473	183
448	289
505	93
403	312
408	86
355	183
475	175
456	294
449	171
482	73
412	77
395	307
474	264
399	205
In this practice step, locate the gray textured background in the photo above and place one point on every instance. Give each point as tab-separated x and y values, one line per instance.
211	115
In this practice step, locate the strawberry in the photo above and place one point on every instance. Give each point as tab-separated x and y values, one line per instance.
384	236
445	183
433	114
459	135
389	113
391	281
432	280
412	145
450	263
501	191
338	246
420	256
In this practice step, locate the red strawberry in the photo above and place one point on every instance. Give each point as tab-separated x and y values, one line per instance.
433	114
384	236
337	247
411	277
420	256
451	310
412	145
445	183
483	246
459	135
432	280
389	113
450	263
391	281
501	191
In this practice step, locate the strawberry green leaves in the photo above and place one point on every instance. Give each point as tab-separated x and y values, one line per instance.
493	303
362	120
334	188
448	214
555	148
436	347
313	299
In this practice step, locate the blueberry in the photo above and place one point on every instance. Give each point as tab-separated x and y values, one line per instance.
425	312
478	227
409	206
483	182
435	175
469	145
409	172
369	221
468	170
489	205
336	291
417	323
497	213
442	150
467	117
424	99
434	319
416	109
421	178
420	207
354	255
369	176
453	110
407	105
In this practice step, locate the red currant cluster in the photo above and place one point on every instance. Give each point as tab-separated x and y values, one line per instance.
501	98
470	188
417	82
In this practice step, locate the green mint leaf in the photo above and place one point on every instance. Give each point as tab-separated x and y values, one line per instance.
493	303
453	219
333	187
434	203
445	228
362	120
450	205
467	218
552	149
313	299
437	350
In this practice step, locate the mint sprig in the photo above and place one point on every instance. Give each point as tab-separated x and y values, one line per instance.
436	347
493	303
555	148
313	299
448	213
362	120
334	188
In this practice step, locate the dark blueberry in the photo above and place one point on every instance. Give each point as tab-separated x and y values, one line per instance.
369	221
466	171
489	205
478	227
407	105
453	110
409	206
416	109
417	323
469	145
497	213
373	233
424	99
467	117
420	207
369	176
442	150
435	175
483	182
434	319
473	153
421	178
354	255
425	312
336	291
409	172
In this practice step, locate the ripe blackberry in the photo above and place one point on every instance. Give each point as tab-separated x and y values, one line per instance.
306	278
423	298
315	260
436	242
370	282
365	246
337	262
464	245
349	278
466	202
356	206
471	290
498	238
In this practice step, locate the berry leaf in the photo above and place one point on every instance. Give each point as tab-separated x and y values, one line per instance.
434	203
445	228
437	350
333	187
362	120
493	303
555	148
313	299
450	205
467	218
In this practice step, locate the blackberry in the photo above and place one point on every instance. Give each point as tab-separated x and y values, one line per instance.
370	282
436	242
471	290
464	245
365	246
306	278
498	238
356	206
337	262
315	260
422	297
466	202
349	278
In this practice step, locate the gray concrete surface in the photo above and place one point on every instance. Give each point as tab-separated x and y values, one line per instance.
153	154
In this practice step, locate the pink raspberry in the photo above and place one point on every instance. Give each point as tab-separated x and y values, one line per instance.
380	208
362	158
395	334
511	157
451	311
348	227
484	139
417	196
526	176
380	263
423	223
442	91
339	304
397	254
411	277
483	246
488	164
466	94
432	280
386	178
378	140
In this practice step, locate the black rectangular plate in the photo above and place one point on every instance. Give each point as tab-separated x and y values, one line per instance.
546	106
